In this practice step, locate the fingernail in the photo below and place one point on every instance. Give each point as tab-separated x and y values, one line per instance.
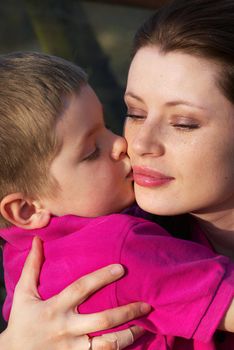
145	308
117	269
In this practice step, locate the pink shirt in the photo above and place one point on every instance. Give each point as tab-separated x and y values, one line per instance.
187	284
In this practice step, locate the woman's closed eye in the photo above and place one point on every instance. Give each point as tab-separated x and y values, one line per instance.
135	116
185	124
93	155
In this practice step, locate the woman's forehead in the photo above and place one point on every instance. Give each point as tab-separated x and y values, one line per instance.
174	76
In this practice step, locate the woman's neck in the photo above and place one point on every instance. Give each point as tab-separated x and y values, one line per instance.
219	229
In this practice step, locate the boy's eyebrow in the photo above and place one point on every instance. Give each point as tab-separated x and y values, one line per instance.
96	126
91	131
88	133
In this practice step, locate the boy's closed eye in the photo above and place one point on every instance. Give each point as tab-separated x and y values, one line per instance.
93	155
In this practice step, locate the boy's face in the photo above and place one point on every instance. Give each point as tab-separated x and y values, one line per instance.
92	169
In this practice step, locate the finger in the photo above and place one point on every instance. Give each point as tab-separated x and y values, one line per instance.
107	319
81	289
120	339
104	344
137	332
78	343
31	270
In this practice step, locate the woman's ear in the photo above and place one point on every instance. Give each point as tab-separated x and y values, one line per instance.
24	212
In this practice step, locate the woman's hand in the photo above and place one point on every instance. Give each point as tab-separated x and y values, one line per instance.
54	324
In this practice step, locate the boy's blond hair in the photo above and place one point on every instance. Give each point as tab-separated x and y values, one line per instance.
34	88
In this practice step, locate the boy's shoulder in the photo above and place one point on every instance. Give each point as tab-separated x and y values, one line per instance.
108	227
70	227
118	221
133	221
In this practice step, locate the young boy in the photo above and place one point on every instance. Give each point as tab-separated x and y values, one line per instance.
63	175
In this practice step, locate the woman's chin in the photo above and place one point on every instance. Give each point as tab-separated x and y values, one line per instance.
157	206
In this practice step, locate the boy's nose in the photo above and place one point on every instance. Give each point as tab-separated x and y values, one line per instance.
119	148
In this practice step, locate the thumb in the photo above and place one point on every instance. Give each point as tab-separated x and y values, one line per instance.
30	274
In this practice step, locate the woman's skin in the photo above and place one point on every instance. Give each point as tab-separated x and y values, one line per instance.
54	324
180	141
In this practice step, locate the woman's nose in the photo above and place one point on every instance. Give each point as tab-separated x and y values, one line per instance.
119	148
146	141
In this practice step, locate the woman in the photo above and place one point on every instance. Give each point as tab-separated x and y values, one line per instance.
180	123
180	132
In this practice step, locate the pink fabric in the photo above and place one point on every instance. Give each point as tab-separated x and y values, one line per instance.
187	284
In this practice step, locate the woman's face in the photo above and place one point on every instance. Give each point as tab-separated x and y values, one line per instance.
180	132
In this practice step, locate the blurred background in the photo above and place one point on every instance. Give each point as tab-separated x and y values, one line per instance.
96	35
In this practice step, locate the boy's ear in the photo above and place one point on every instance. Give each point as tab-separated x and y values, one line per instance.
24	212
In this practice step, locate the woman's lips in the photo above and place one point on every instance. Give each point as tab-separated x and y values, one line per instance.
150	178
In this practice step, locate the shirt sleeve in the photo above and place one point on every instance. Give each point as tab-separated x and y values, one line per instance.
188	286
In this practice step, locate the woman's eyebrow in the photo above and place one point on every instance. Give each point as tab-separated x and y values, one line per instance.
169	103
132	95
183	102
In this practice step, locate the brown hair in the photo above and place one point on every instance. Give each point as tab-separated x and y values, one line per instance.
199	27
33	92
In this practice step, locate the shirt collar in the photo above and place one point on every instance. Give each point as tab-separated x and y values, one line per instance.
58	227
